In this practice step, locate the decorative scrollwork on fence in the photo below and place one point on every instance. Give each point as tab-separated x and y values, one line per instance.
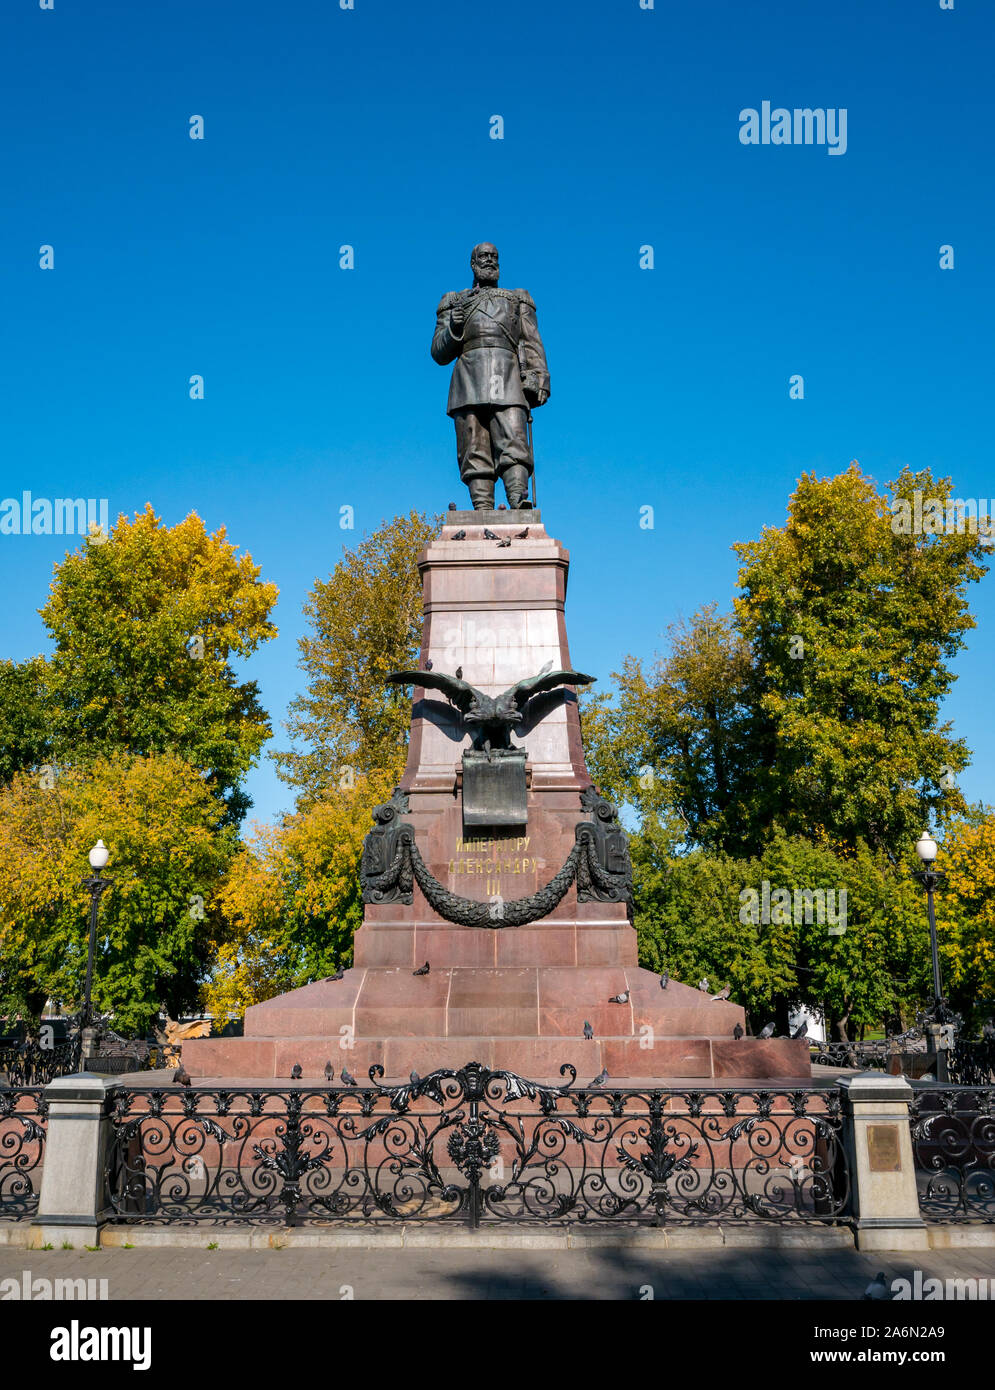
972	1061
30	1064
953	1140
478	1147
23	1127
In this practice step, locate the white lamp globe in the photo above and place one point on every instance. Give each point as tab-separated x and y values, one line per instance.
926	847
99	856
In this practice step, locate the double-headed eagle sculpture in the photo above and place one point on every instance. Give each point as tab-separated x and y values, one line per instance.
494	715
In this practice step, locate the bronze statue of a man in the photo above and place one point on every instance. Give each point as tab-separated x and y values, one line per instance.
500	371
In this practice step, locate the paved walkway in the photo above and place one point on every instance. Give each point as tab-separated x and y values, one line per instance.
441	1274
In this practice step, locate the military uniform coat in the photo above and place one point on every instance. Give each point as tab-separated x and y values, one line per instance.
498	347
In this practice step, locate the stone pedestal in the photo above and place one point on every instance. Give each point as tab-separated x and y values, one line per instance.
882	1164
71	1202
513	998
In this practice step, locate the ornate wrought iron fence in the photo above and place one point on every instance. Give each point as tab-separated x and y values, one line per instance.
30	1064
477	1147
972	1061
23	1123
869	1056
953	1140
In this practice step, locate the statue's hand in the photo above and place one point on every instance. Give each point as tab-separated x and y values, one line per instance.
541	396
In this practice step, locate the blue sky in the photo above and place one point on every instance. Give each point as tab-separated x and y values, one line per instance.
370	127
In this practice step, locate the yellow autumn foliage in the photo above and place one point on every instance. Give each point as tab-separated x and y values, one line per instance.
292	899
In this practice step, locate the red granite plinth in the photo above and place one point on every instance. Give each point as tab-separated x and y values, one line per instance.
514	998
528	1020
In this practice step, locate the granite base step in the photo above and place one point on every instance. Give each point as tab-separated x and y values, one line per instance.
539	1059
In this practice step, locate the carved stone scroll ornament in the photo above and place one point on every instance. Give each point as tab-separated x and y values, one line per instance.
385	868
604	872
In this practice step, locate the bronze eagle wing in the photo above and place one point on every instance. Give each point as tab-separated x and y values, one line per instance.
546	680
457	692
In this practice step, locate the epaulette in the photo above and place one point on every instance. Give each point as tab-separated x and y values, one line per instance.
522	296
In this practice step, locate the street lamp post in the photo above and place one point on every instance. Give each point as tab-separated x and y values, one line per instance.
98	860
939	1016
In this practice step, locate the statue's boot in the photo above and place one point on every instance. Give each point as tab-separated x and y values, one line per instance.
516	484
482	494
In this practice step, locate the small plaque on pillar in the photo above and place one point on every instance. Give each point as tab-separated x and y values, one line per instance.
494	788
883	1149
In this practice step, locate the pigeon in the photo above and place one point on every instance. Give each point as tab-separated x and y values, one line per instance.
329	1072
181	1076
452	506
588	1030
489	535
601	1077
458	536
703	985
722	994
665	979
521	535
428	665
415	1079
296	1071
878	1290
422	969
802	1030
349	1080
339	975
459	673
767	1031
504	542
622	998
738	1031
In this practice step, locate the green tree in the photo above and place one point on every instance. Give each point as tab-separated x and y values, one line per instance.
851	624
814	708
366	621
145	625
24	717
675	741
767	927
965	916
292	899
169	856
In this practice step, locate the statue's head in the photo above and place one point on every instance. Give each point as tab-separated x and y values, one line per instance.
484	264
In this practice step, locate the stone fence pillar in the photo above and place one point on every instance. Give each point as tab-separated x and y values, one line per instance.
882	1165
71	1204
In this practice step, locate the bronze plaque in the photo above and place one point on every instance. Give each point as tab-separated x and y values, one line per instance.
495	789
883	1152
